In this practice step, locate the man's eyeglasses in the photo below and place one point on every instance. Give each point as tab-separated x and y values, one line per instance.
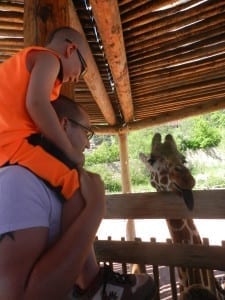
82	61
89	132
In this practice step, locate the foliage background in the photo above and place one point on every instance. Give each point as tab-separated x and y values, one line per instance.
201	139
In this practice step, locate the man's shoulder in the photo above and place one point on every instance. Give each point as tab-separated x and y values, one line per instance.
18	172
19	179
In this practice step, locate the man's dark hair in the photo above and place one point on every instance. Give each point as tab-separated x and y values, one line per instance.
65	107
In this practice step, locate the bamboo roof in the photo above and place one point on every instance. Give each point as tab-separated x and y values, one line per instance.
151	61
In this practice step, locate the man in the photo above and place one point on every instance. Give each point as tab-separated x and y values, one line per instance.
45	244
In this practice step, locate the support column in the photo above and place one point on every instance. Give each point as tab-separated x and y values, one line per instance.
126	183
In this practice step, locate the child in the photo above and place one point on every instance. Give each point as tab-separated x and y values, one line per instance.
29	81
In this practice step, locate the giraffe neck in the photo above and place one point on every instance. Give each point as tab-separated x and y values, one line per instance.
181	231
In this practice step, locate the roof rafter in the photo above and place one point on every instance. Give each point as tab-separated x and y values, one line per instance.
107	18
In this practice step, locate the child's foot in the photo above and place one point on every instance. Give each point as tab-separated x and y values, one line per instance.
114	286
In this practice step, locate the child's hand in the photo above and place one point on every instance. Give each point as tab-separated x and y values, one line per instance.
92	188
77	157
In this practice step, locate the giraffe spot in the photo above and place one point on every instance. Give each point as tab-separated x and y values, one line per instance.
164	180
153	184
156	177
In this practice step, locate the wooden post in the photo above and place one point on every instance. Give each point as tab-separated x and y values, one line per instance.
107	17
126	184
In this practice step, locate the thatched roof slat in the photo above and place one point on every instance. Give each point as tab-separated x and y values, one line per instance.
109	25
169	38
190	52
200	94
183	69
210	65
194	55
163	117
143	10
187	89
178	82
14	33
185	112
8	16
9	26
183	43
179	107
14	7
180	20
150	16
15	48
128	5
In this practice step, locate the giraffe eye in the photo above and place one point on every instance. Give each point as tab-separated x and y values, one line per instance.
178	168
152	160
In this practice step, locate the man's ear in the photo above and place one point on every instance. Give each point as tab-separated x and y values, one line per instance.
69	50
64	123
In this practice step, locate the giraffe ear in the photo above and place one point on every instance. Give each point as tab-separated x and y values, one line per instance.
156	142
142	157
169	138
171	150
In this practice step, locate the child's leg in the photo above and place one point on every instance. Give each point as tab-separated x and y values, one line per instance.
71	210
47	167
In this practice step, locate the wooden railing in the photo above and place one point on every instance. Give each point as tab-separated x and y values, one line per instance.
208	204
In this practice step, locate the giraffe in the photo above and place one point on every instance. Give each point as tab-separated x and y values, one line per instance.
168	173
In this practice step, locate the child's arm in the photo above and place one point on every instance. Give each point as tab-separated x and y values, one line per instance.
44	72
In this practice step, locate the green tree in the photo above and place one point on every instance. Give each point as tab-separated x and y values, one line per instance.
106	152
139	141
202	135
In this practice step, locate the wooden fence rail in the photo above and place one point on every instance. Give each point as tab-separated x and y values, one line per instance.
208	204
182	255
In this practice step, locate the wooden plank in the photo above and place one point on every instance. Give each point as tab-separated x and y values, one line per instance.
181	255
208	204
107	17
164	116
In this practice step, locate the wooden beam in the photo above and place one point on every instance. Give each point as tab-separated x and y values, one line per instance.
107	17
163	118
40	18
208	204
182	255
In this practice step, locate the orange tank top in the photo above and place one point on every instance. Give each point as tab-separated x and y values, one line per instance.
15	122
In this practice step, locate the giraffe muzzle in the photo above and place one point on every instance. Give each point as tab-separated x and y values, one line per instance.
187	196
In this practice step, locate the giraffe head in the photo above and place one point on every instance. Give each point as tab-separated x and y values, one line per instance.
166	166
